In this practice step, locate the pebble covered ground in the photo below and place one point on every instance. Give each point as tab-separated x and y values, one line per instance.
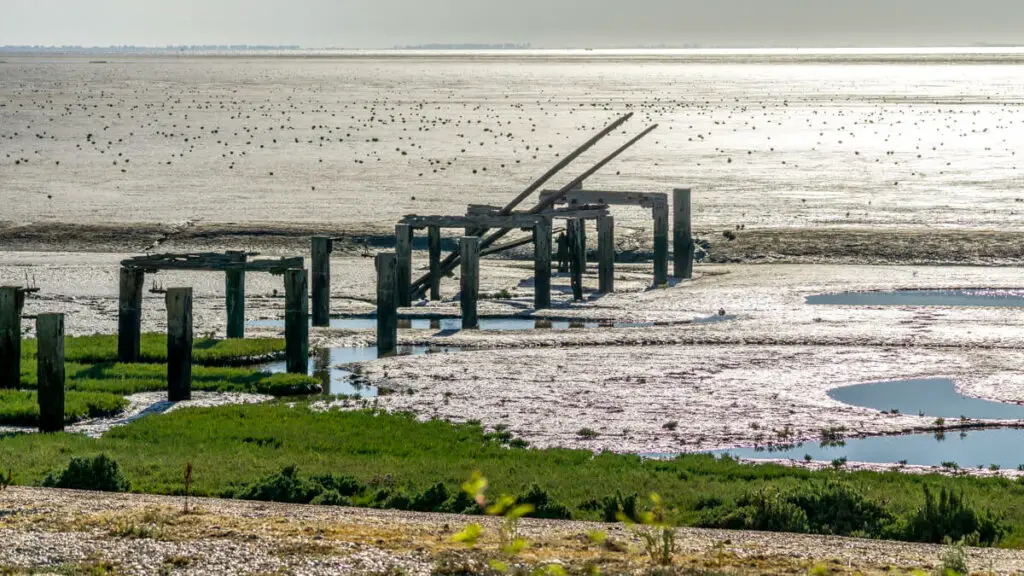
141	534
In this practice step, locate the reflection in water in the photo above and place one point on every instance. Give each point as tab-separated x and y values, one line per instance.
973	297
324	362
967	449
935	397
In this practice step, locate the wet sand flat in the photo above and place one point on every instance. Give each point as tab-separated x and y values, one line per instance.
355	143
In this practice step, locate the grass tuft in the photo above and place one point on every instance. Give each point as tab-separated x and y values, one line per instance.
21	407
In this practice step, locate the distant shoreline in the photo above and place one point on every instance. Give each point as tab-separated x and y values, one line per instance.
963	56
511	50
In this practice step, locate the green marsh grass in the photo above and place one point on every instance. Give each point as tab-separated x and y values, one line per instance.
153	348
21	407
396	459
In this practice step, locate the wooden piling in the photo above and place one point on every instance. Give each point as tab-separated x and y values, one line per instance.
577	263
296	321
179	344
682	242
129	314
582	232
234	286
563	253
606	253
11	301
50	371
434	245
542	265
321	256
660	245
387	304
403	251
469	253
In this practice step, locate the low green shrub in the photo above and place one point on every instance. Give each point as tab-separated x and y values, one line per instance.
835	507
614	508
544	506
284	486
950	518
99	473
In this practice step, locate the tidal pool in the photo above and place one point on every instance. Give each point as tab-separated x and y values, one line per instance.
967	449
936	397
324	362
957	298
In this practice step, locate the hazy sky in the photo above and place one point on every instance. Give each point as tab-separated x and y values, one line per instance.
544	23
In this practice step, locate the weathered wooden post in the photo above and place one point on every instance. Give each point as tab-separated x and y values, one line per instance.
403	251
296	321
321	255
50	371
387	304
179	344
582	233
11	301
683	234
577	263
469	252
234	284
606	253
542	265
129	314
434	246
660	244
563	253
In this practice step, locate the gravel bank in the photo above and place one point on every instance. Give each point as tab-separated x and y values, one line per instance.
44	528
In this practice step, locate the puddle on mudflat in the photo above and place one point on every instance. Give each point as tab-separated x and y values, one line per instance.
449	324
935	397
324	362
968	449
953	298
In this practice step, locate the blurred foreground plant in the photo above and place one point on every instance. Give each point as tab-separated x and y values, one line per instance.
652	527
512	544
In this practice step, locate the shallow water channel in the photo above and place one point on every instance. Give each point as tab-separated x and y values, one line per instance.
324	362
453	324
957	298
968	449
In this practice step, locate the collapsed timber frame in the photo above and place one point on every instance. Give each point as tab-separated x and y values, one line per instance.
234	264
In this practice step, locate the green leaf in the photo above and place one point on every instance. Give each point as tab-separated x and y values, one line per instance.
501	506
469	535
498	566
476	485
597	536
519	511
517	546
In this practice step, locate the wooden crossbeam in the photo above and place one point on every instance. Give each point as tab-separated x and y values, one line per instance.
474	221
642	199
587	211
211	262
278	266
